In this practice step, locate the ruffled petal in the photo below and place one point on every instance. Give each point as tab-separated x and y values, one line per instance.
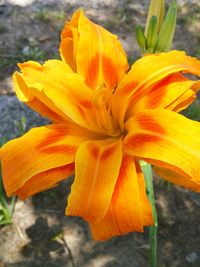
69	41
97	167
129	210
166	139
39	150
144	73
176	178
183	101
44	181
101	61
37	100
66	90
173	93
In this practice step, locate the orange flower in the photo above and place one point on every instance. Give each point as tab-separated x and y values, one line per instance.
105	118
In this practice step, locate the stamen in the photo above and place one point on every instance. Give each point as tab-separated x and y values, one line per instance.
100	99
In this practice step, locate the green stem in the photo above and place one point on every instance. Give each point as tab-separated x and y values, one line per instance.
12	204
146	168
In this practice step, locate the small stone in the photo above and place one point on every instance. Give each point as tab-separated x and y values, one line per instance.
32	41
192	257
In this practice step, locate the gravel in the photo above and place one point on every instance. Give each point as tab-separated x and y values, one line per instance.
12	112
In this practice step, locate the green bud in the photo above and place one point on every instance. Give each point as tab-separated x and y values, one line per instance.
156	8
167	31
140	37
152	34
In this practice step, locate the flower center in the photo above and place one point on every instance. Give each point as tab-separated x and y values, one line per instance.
101	99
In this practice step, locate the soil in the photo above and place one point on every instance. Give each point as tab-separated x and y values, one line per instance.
40	235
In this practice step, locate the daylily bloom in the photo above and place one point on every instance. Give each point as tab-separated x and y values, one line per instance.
105	119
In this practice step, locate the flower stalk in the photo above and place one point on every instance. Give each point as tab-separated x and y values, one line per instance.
156	38
147	170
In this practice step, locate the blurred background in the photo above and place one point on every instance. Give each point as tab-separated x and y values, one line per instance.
35	232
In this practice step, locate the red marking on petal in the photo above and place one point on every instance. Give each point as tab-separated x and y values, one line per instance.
52	138
140	139
92	72
128	88
148	123
81	111
70	167
59	148
122	173
110	72
86	103
67	32
107	153
138	168
154	98
83	105
156	94
94	151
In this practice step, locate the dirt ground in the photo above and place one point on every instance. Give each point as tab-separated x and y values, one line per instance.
41	236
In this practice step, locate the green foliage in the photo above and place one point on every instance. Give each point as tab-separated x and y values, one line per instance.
193	111
32	53
43	15
166	184
197	52
122	15
6	210
46	15
28	52
21	125
6	62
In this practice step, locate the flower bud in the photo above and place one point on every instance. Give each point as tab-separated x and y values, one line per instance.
166	34
159	31
140	37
